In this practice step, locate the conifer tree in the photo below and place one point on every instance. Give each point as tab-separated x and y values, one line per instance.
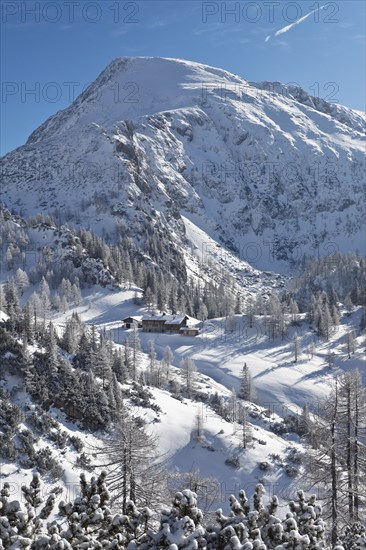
119	367
28	328
21	280
12	300
44	293
102	362
246	386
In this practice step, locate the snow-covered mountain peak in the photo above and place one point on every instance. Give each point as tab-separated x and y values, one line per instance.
135	86
156	138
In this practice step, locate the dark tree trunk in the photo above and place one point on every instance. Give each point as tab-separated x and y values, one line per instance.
349	454
125	475
333	459
356	458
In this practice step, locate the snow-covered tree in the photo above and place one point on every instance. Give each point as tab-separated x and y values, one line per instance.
338	464
297	349
308	517
152	362
135	347
102	361
21	280
88	522
27	324
135	470
246	385
180	527
350	342
348	304
72	334
250	310
238	304
202	313
12	300
246	432
188	368
44	294
19	528
167	360
353	537
2	299
9	257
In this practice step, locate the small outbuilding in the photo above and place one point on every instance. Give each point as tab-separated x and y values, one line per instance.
189	331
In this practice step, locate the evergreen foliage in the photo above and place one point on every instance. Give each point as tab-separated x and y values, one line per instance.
88	522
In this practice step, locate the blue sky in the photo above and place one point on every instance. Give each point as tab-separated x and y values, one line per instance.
48	44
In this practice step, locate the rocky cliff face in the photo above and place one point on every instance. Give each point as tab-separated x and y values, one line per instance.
265	169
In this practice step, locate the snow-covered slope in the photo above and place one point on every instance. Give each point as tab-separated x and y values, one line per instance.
267	170
282	387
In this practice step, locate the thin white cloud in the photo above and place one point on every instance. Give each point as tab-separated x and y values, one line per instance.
158	22
297	22
120	31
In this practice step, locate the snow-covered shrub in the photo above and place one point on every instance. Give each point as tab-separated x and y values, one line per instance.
88	523
142	397
8	449
307	514
233	461
295	456
41	421
76	442
47	464
354	537
22	528
27	440
291	471
61	438
83	461
180	526
10	414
